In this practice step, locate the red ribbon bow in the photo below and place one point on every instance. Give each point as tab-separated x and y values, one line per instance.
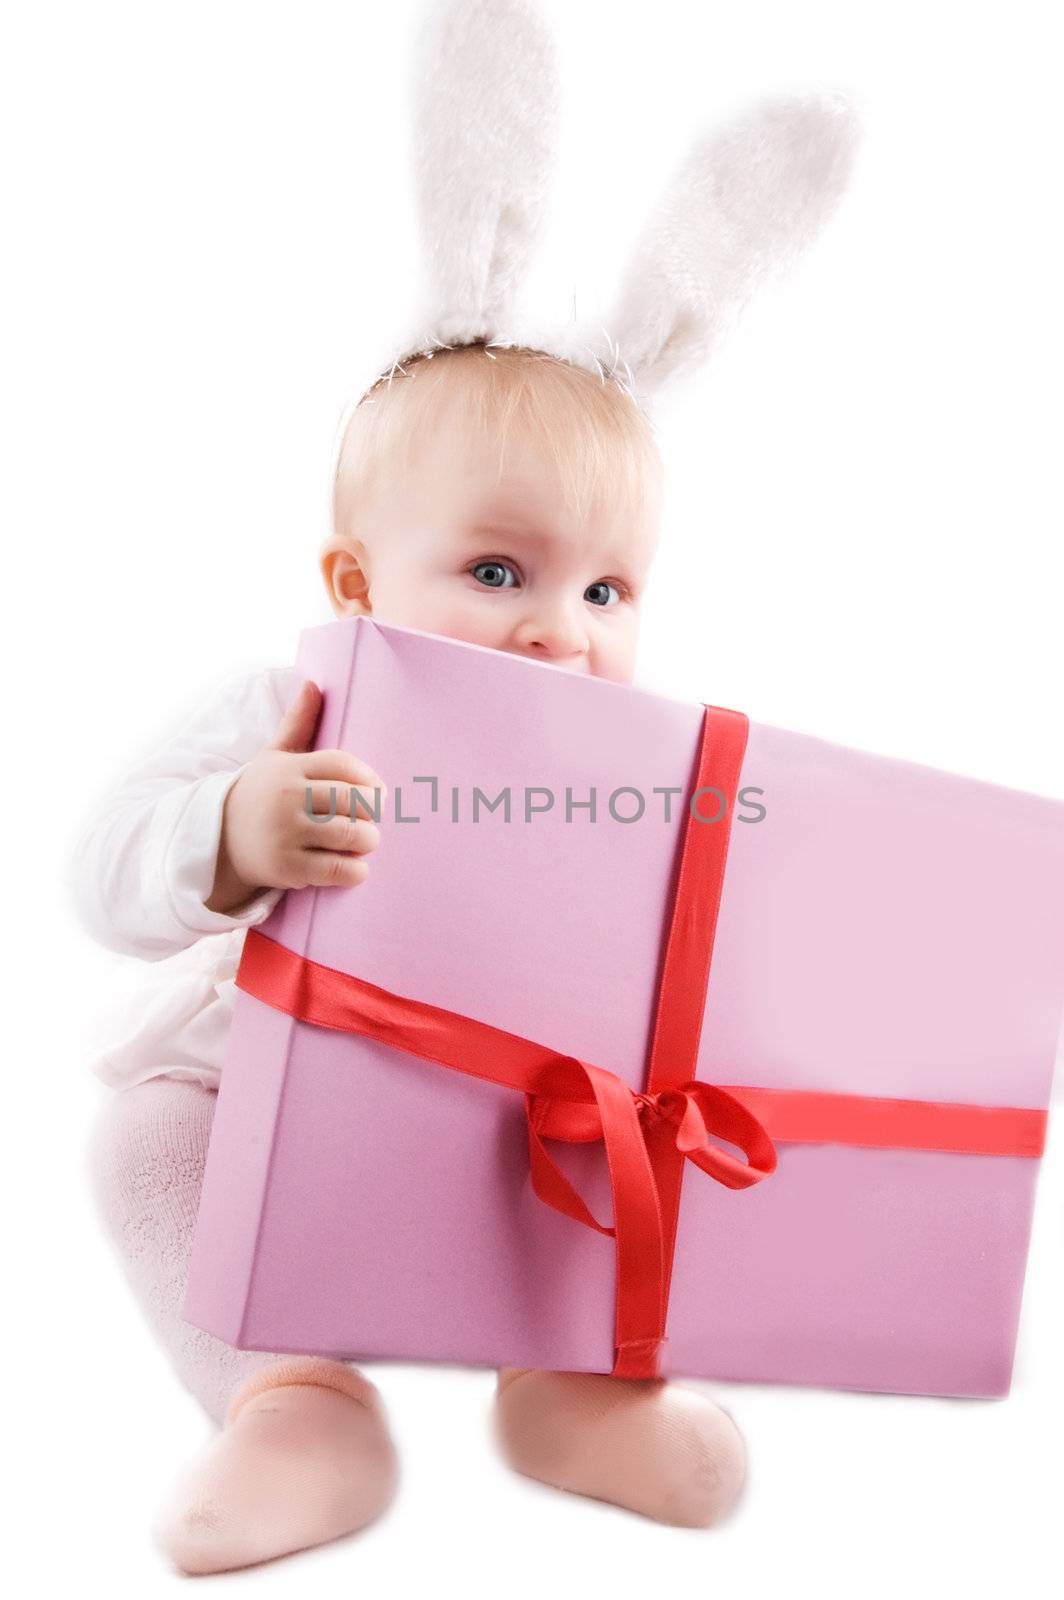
618	1116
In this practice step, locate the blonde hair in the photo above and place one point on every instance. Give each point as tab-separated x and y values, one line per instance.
601	444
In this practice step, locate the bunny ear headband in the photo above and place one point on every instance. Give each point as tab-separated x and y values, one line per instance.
743	204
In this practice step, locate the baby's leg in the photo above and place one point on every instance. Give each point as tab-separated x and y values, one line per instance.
647	1445
305	1455
146	1157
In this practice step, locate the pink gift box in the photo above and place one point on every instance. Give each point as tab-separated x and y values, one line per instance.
885	931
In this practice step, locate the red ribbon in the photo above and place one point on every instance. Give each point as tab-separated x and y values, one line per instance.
648	1136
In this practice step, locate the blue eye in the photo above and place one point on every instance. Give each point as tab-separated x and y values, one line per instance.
495	574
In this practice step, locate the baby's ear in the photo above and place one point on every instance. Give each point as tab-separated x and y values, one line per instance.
345	572
486	112
744	204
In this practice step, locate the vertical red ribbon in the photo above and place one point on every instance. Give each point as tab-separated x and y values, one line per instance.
685	971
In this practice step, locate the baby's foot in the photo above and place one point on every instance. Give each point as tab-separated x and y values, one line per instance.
643	1444
305	1456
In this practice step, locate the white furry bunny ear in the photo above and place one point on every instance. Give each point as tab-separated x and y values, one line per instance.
486	104
743	205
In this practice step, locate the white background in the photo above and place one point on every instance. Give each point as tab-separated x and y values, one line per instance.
207	208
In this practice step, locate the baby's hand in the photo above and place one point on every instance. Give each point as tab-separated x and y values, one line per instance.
269	841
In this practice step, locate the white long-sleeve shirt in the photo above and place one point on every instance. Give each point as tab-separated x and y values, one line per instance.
143	869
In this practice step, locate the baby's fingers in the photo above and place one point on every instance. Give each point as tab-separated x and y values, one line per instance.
341	800
339	766
323	869
338	833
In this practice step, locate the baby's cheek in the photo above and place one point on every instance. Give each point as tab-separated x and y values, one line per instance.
621	658
470	619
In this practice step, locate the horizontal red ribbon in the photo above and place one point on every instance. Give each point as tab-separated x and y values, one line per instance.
799	1116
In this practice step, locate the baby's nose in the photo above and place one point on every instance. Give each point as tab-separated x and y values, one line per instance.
555	639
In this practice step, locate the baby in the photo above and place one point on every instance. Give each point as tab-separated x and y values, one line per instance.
496	495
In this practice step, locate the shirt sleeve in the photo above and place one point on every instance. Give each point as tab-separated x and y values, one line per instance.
144	864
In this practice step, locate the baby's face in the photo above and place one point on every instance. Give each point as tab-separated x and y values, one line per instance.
496	559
